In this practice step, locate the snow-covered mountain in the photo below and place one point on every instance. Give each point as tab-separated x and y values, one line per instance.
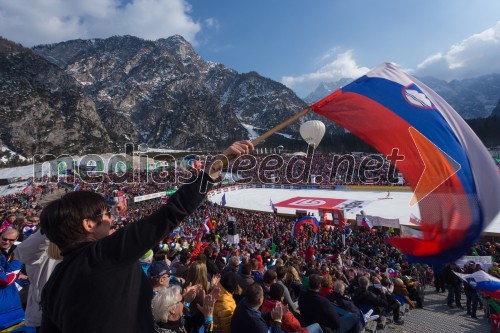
325	89
164	94
93	96
96	95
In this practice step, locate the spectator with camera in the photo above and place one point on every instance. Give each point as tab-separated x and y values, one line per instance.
401	291
415	291
392	303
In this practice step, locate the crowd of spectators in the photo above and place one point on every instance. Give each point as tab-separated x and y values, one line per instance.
328	169
307	283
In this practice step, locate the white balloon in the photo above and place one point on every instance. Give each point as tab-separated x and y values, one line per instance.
312	132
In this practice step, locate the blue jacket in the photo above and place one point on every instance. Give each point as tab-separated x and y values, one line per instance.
9	296
248	320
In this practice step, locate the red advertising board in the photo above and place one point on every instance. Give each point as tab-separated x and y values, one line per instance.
309	202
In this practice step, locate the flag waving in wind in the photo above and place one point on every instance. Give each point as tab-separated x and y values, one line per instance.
273	207
454	179
365	222
483	282
303	221
207	225
176	233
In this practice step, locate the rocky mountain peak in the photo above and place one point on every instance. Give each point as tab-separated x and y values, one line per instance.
181	49
96	95
175	43
326	88
164	94
8	47
43	109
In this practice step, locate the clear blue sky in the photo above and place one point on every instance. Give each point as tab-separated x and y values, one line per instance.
299	43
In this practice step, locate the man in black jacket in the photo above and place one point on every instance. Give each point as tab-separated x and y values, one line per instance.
100	286
248	319
379	303
181	266
454	285
245	279
338	297
315	308
212	268
392	304
471	298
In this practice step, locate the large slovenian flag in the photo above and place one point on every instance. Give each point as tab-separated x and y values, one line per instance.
311	220
483	282
455	182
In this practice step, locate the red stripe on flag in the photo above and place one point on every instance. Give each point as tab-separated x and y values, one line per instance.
385	130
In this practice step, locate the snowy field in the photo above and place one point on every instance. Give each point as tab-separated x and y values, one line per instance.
23	172
397	207
259	199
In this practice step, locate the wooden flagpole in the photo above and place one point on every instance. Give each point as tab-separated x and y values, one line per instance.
281	126
219	164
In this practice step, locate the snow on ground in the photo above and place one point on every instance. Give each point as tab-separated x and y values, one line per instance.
12	188
12	154
397	207
259	199
252	133
23	172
